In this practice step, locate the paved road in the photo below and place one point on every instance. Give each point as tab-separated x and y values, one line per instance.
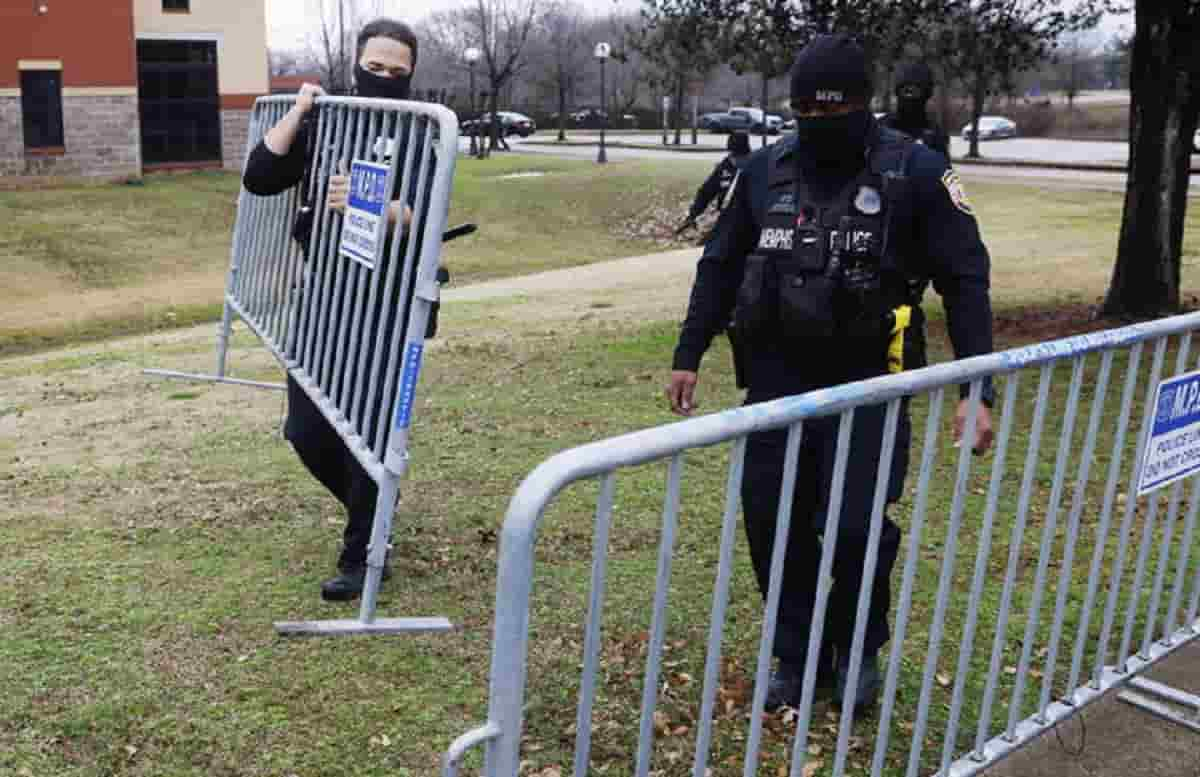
1029	149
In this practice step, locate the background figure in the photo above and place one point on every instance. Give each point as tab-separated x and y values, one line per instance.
720	181
387	54
914	87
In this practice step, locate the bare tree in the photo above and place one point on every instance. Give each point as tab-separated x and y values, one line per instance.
333	43
627	67
564	48
501	30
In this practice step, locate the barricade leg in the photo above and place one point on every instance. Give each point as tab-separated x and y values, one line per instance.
1163	701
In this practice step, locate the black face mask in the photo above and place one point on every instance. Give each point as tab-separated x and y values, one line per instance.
833	139
911	110
370	85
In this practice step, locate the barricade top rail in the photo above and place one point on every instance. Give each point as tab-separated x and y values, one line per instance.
647	445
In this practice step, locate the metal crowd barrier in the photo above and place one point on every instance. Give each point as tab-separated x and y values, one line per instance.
348	320
986	639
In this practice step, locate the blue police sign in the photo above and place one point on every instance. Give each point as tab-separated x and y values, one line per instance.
366	217
1173	450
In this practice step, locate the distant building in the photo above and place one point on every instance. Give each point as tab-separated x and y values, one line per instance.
109	88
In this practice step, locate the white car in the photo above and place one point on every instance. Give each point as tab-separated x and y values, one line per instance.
1196	142
751	119
991	128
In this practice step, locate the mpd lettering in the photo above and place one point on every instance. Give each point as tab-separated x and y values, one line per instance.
775	239
829	96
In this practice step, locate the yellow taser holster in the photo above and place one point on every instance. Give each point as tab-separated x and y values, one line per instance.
901	320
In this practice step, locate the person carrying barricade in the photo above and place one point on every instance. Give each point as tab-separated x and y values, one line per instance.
821	257
386	58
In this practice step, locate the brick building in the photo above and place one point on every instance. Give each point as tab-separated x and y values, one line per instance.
110	88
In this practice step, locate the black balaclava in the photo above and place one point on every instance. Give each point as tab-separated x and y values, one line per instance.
832	69
368	84
914	87
738	144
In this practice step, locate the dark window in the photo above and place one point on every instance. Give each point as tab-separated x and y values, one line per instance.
41	108
179	102
177	5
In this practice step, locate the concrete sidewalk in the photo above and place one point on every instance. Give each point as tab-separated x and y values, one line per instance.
1113	739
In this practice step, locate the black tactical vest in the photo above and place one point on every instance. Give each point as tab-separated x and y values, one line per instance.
826	268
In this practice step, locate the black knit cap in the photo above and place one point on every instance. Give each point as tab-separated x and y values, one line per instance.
831	69
915	74
738	143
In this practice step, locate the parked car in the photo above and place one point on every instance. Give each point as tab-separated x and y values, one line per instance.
992	128
511	123
741	120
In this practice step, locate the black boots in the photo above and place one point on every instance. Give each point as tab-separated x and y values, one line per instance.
348	584
787	684
870	679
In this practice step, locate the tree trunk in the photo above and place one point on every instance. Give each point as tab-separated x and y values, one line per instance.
562	110
679	110
1165	92
977	98
766	99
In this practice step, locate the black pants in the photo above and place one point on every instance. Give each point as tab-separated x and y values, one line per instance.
326	456
763	475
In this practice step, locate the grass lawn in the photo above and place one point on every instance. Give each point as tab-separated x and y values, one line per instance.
159	530
90	262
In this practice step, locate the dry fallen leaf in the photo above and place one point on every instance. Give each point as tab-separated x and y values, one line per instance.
812	767
680	731
814	750
943	679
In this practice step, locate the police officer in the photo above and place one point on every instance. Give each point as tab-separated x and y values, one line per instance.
914	87
718	183
822	255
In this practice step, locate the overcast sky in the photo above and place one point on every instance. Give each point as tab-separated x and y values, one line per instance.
288	21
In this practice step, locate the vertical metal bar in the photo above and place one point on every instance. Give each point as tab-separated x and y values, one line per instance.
1066	572
281	279
381	526
1101	542
766	640
591	646
982	556
829	542
328	118
371	373
1118	568
928	455
946	578
1144	548
1164	554
299	280
352	376
1182	565
330	242
1032	454
345	269
870	563
716	627
249	267
319	260
351	297
265	240
1194	607
1049	530
407	281
658	625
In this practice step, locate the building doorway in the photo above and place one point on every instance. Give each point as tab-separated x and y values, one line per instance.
179	101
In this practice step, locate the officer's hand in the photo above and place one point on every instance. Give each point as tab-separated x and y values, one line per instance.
339	190
307	97
681	390
685	226
983	426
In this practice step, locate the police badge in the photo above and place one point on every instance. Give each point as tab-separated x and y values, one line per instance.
868	202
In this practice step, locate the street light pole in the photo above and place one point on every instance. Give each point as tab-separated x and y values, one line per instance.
471	55
603	50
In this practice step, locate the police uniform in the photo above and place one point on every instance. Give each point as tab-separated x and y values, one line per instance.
822	267
720	180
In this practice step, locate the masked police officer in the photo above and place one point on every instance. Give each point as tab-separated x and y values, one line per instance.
821	256
720	181
914	88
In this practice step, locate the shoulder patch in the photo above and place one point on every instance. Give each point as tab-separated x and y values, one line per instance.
958	194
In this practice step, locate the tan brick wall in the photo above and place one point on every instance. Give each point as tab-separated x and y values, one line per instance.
101	138
235	128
